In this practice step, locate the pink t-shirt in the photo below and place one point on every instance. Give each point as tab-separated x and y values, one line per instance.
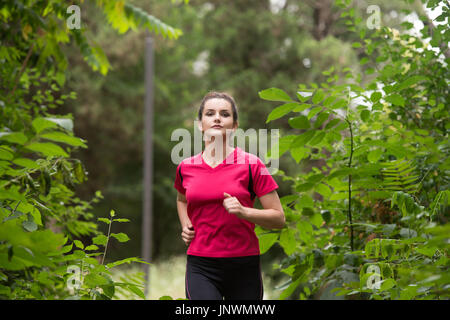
217	232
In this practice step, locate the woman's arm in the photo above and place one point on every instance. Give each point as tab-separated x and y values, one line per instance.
187	233
271	217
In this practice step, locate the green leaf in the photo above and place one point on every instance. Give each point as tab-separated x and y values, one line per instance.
332	123
321	119
127	260
318	96
6	154
281	146
317	138
67	248
26	163
101	240
137	291
79	172
306	231
62	122
93	280
323	189
302	139
112	213
329	100
78	244
375	96
122	237
365	115
281	111
274	94
107	221
290	290
14	137
302	107
304	187
304	96
314	111
266	241
121	220
29	226
36	214
396	99
305	202
340	103
408	293
40	124
47	149
316	219
428	251
410	81
287	241
374	155
14	215
299	153
137	16
300	122
387	284
62	137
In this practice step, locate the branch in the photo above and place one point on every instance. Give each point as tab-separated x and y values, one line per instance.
24	64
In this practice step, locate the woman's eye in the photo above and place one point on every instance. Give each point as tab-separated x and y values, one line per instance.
225	114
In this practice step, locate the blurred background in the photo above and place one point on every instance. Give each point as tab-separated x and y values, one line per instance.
241	47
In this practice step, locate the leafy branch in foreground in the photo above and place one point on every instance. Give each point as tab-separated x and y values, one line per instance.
372	139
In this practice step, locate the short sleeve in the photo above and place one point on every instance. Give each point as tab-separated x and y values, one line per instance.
263	181
179	180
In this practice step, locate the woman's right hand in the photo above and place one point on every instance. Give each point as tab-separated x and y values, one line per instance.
188	233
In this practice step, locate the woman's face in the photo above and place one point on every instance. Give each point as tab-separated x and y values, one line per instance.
217	117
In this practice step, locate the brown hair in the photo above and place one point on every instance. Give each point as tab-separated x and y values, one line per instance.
219	95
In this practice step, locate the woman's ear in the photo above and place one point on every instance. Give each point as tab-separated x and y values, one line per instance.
199	125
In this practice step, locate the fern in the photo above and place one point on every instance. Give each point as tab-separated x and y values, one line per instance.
122	16
399	175
131	287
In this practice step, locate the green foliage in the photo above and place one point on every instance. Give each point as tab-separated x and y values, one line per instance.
386	168
44	227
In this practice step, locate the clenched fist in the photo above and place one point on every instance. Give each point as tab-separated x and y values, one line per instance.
188	233
232	205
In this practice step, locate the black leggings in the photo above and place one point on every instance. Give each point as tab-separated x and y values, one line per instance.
223	278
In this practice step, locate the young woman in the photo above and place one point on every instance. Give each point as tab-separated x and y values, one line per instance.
216	194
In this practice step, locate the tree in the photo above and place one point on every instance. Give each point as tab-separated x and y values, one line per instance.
39	211
381	229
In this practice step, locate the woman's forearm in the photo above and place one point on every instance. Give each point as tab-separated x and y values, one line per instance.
182	213
266	218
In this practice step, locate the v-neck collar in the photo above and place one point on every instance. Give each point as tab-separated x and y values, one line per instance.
232	154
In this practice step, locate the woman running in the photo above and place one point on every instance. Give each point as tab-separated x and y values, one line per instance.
216	194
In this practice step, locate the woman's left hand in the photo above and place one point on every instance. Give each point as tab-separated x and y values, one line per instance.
232	205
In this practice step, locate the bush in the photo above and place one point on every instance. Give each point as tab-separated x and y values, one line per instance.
372	221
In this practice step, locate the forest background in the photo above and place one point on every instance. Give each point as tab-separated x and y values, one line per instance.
245	48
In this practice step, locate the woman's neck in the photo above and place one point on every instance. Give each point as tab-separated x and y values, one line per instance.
216	152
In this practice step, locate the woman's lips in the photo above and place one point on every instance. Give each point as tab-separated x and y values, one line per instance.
217	127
